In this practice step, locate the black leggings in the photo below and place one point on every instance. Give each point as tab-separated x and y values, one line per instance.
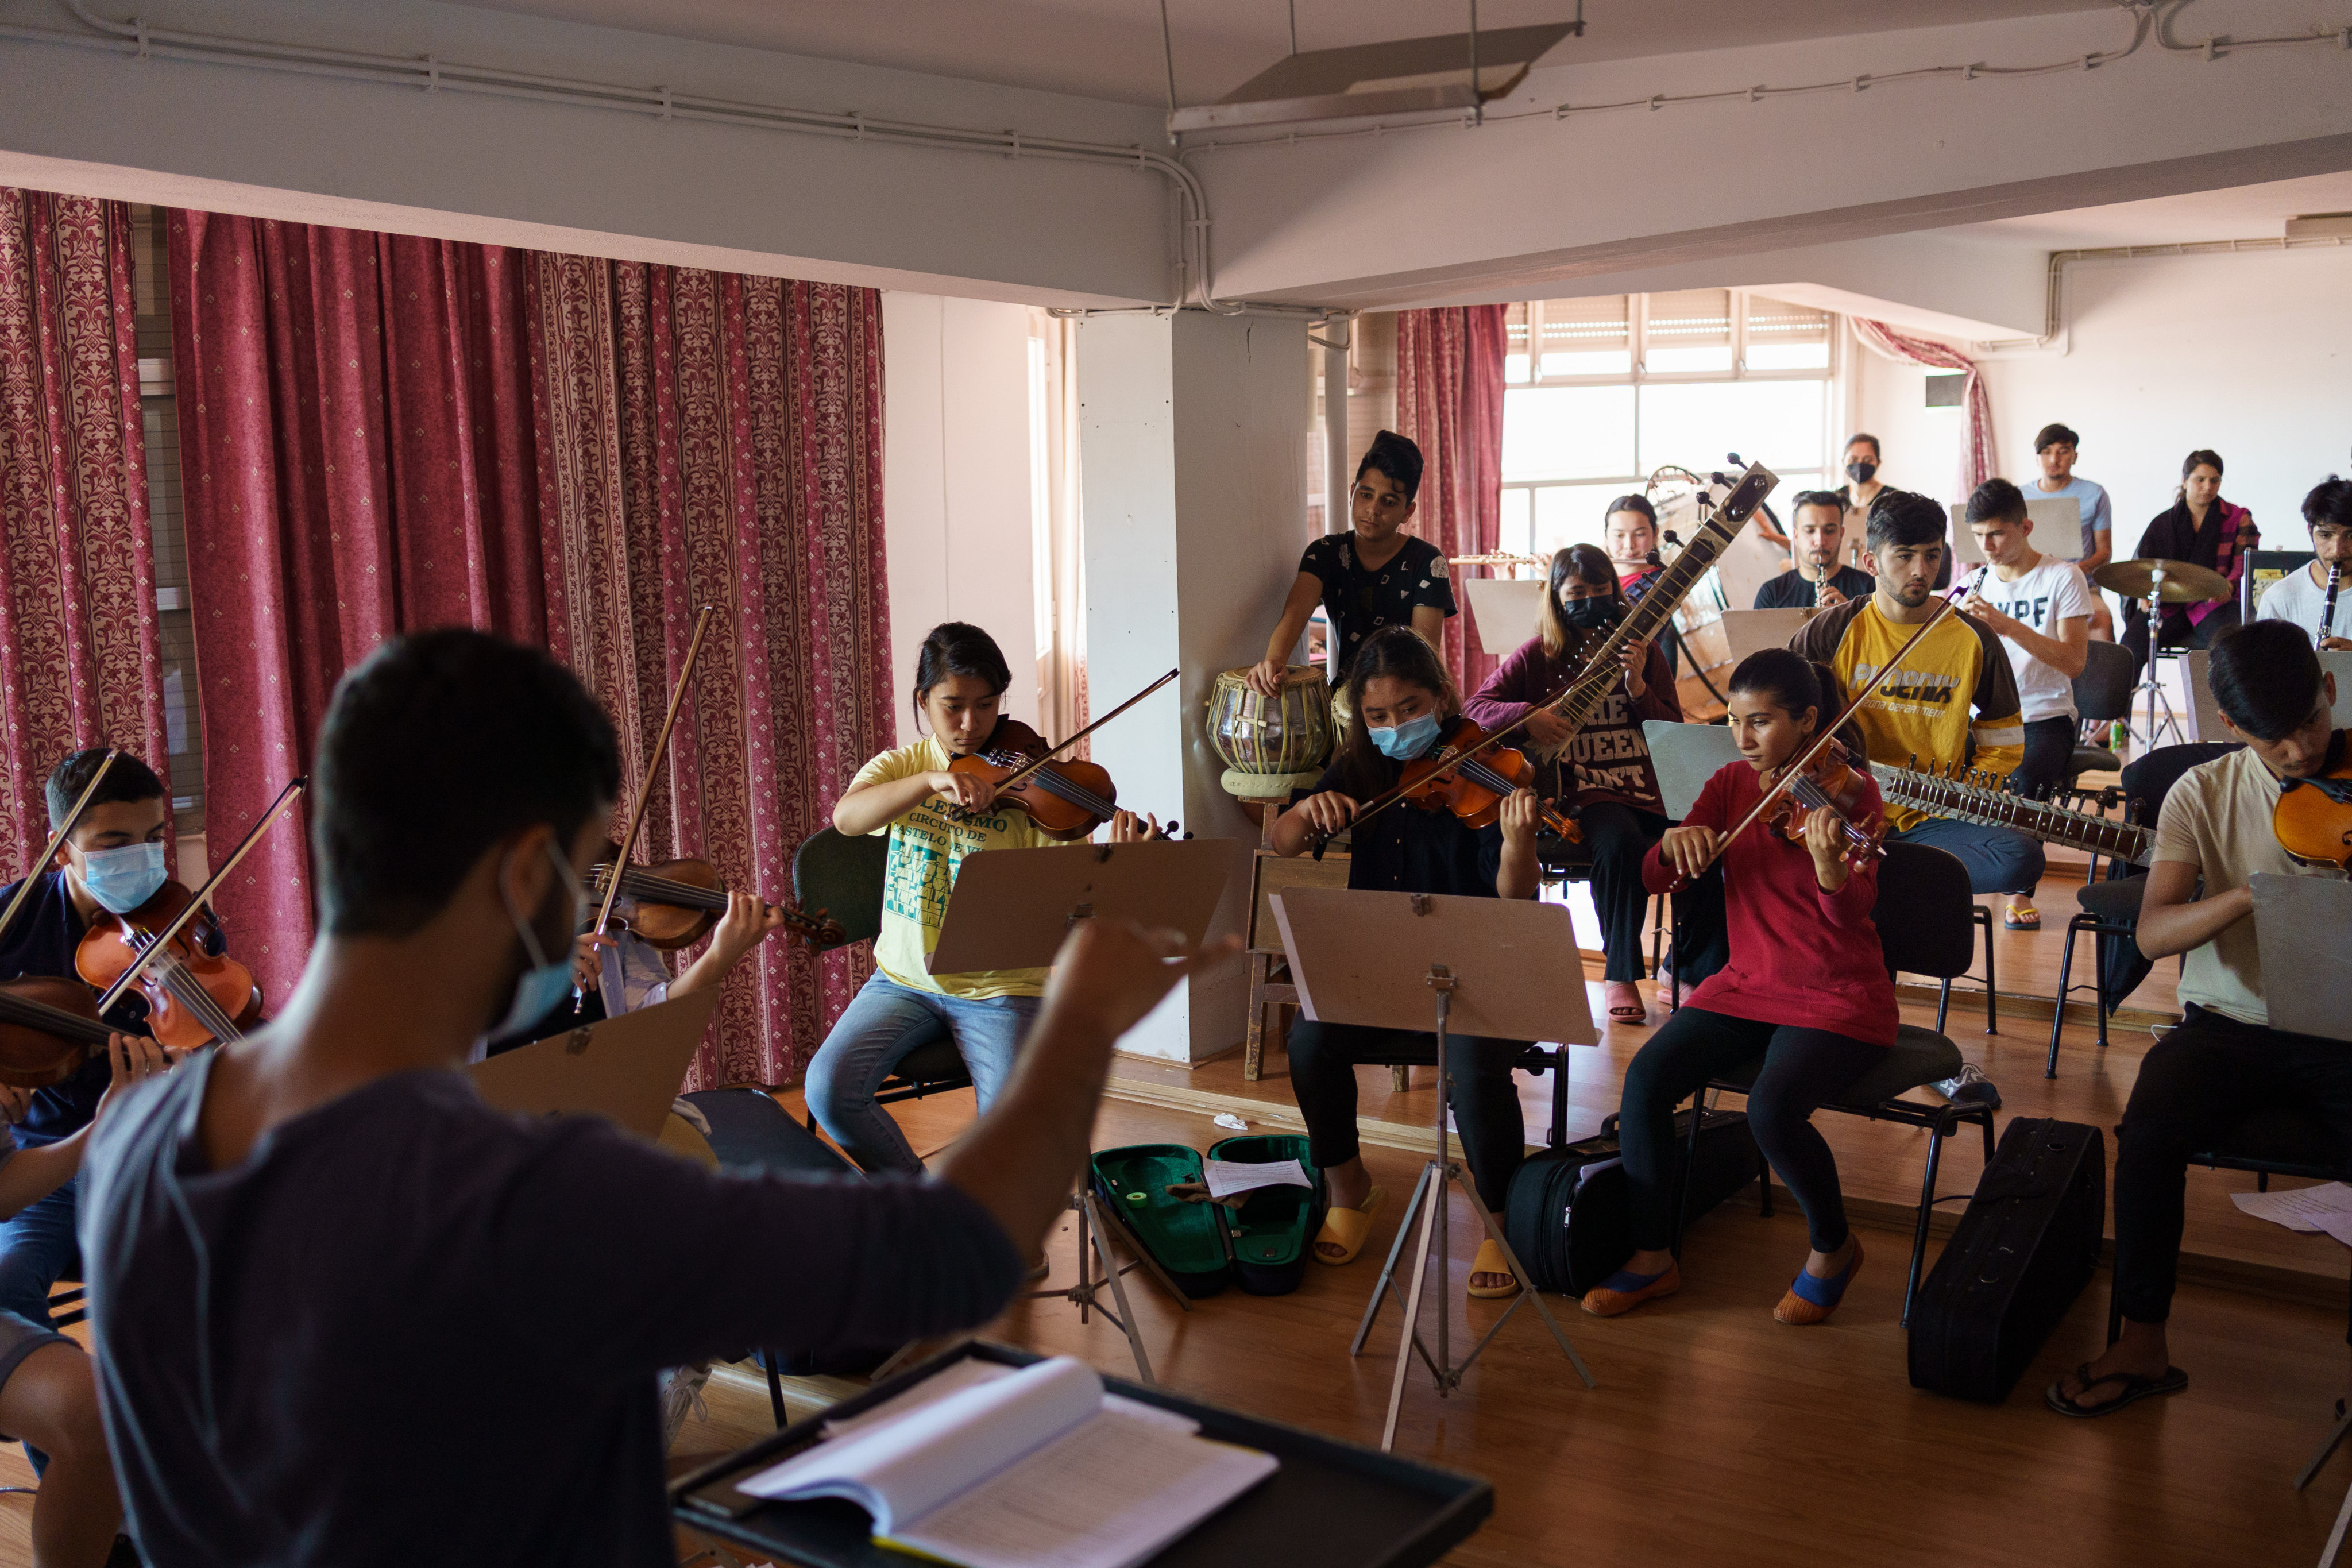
1323	1060
1618	837
2209	1073
1803	1068
2049	758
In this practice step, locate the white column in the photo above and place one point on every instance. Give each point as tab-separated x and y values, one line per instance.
1192	446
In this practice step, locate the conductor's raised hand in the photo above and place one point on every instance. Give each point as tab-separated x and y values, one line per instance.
1520	814
968	791
1111	972
1689	850
1327	812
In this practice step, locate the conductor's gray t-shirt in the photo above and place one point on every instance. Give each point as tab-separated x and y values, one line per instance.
409	1329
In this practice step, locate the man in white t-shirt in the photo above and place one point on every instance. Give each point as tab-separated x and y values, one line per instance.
2302	597
2223	1060
2041	609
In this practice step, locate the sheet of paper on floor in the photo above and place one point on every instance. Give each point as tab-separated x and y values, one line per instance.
2327	1207
1227	1177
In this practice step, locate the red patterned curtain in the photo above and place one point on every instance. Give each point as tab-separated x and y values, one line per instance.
79	662
388	433
1450	402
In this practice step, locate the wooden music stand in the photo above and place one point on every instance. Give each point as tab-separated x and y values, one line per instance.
627	1070
1012	909
1486	966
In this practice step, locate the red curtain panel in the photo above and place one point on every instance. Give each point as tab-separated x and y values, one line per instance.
384	434
1450	402
79	660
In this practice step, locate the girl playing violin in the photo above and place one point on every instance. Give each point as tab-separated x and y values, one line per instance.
1806	987
1403	706
1605	769
936	817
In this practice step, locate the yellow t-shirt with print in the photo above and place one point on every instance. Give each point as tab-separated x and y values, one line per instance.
928	847
1953	703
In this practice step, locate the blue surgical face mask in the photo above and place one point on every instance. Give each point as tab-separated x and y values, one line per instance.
1406	741
543	985
123	878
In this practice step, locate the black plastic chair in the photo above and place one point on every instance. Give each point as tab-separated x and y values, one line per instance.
2109	910
1931	934
843	875
2103	694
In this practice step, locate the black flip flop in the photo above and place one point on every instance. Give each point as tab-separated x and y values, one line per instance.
2134	1389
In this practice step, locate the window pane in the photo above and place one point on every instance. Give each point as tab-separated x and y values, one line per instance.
1568	432
1696	424
1515	345
1586	337
1689	330
1572	514
1513	537
1781	336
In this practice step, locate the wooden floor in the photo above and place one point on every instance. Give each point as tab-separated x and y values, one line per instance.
1717	1436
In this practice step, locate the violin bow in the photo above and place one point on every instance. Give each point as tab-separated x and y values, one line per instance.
1048	754
56	840
661	753
203	895
1795	767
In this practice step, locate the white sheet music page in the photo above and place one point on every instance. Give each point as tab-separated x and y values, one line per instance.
1108	1494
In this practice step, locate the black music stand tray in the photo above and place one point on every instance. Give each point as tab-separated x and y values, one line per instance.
1491	966
1012	909
1331	1504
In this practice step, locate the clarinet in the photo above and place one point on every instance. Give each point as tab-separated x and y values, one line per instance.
2327	610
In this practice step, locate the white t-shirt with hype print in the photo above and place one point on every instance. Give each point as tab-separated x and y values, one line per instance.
2052	592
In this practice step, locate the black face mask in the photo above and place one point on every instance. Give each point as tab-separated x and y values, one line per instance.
1860	471
1589	615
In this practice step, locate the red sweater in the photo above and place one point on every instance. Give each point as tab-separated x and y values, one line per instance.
1797	955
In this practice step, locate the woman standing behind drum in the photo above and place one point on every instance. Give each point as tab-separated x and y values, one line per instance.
1374	575
1604	769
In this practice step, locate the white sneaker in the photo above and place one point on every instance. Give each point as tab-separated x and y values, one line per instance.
680	1390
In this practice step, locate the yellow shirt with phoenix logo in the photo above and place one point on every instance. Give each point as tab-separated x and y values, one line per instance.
928	847
1924	710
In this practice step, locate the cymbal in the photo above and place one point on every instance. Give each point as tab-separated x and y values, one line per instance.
2183	583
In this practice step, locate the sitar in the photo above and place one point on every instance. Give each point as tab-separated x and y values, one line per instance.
1977	797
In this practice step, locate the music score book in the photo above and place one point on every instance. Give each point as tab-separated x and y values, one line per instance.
1034	1468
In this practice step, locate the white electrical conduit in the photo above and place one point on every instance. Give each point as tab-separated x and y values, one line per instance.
2146	16
2054	309
136	38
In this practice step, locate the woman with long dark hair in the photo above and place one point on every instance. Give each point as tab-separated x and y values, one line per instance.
936	818
1602	771
1806	988
1403	706
2203	530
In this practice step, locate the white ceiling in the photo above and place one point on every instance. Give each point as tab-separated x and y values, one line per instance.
2241	212
1111	48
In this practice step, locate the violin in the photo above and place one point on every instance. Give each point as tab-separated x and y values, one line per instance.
1472	787
1831	786
677	902
195	992
1064	800
48	1027
2313	817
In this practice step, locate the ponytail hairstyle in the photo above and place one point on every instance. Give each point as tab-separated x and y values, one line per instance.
1586	563
1788	680
1400	653
2204	456
956	647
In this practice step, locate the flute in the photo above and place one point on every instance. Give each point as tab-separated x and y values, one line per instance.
2327	610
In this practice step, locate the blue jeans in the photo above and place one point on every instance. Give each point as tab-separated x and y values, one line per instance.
37	1249
882	1025
2000	860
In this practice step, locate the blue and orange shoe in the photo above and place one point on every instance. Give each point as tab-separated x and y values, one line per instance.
1623	1291
1812	1299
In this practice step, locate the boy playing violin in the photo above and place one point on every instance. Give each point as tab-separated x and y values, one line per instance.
1403	706
113	860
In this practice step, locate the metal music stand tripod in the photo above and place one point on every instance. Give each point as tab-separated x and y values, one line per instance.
1482	966
1012	909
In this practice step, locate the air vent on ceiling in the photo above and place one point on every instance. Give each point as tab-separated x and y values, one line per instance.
1408	76
2320	226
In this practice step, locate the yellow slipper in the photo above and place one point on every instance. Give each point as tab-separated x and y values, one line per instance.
1490	1260
1347	1228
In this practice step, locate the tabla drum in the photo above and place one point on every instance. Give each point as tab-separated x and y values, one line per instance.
1289	733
